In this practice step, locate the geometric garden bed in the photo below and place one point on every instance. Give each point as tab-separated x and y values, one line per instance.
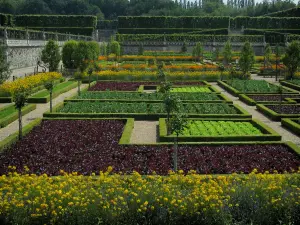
88	146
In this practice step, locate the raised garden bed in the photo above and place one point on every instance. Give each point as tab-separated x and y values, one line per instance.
144	110
292	125
277	112
253	99
207	130
133	86
88	146
193	89
294	84
146	97
9	113
237	87
44	96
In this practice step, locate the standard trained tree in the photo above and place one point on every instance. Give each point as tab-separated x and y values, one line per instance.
198	51
291	58
20	97
4	66
51	55
247	58
267	54
227	53
68	54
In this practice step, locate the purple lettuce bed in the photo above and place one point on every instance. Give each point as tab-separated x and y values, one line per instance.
130	86
88	146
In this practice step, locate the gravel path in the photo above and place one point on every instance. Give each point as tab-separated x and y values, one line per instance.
37	113
144	132
286	135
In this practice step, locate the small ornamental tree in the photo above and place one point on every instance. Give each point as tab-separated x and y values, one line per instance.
277	56
291	58
79	76
20	97
4	66
51	55
161	76
68	54
171	105
227	53
221	68
247	58
184	48
115	49
198	51
165	87
49	85
267	54
82	56
90	71
178	123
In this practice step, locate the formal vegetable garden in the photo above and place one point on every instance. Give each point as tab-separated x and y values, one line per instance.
220	128
255	86
146	97
147	108
88	146
285	109
271	98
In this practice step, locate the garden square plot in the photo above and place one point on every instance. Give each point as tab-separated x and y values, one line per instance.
253	99
208	130
87	146
277	111
191	89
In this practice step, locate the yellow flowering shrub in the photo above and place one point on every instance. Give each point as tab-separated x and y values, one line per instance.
130	199
27	83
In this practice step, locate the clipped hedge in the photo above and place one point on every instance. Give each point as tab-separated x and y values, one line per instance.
12	117
265	22
55	21
107	24
294	12
86	31
250	101
268	133
6	19
125	139
205	22
290	85
292	125
274	115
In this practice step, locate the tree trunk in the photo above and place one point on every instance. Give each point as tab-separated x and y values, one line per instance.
89	81
51	101
78	87
175	154
20	123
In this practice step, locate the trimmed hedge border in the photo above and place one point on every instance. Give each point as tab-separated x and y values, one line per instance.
236	92
12	117
250	101
291	125
125	139
269	134
141	116
290	85
11	139
263	108
54	94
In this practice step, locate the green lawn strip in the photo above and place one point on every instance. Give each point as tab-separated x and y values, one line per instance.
10	114
263	108
11	139
44	96
292	125
260	131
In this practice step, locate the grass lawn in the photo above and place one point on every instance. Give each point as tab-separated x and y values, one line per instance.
45	93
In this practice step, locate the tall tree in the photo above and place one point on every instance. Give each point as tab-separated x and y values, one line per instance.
227	53
51	55
291	58
198	51
267	54
247	58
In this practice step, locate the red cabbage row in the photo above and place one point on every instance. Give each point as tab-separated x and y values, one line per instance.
130	86
88	146
285	109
